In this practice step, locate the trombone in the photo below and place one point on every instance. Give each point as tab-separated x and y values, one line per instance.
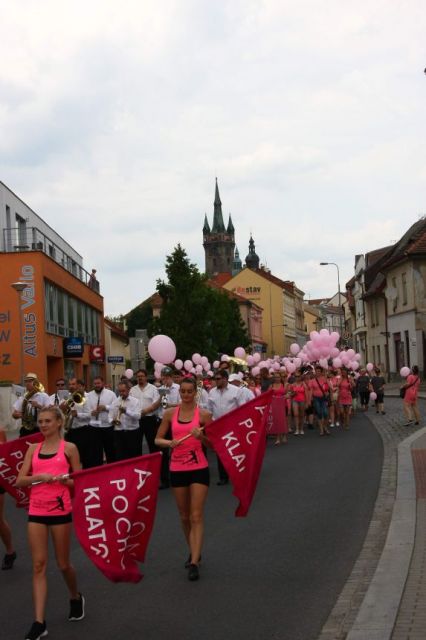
76	399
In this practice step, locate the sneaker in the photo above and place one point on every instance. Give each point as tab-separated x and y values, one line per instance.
38	630
77	608
332	425
337	424
302	433
8	561
407	424
193	573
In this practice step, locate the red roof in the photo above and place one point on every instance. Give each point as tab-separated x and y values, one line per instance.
221	278
116	329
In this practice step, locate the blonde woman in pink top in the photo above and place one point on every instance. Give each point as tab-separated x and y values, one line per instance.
189	469
45	469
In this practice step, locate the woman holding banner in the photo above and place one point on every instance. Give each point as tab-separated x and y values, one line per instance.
45	470
189	471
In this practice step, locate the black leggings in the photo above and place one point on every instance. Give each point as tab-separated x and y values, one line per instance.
364	397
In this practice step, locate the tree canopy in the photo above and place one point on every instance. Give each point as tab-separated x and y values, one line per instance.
196	316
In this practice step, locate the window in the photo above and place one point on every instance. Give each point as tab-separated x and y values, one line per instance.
378	355
404	288
407	347
395	300
374	354
67	316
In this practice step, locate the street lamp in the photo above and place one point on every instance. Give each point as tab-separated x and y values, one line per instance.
324	264
19	287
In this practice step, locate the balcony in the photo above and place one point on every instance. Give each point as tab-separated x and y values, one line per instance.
18	239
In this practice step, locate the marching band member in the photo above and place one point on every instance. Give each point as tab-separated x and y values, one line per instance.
149	400
124	414
77	418
170	397
189	468
27	406
245	393
222	399
45	469
99	403
60	394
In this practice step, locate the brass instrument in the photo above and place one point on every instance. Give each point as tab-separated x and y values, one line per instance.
117	420
75	398
29	419
164	399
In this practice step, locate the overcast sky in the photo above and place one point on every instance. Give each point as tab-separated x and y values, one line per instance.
116	117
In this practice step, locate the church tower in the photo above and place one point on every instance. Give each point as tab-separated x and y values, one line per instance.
218	242
252	259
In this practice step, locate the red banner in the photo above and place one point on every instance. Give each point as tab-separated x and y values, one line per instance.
239	439
113	512
12	456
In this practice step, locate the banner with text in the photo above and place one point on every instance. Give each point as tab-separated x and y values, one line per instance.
12	456
113	511
239	439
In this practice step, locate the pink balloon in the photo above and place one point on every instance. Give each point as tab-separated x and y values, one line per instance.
313	335
207	366
178	364
128	373
239	352
210	374
291	368
256	357
354	365
373	395
297	362
204	361
198	368
294	349
255	371
187	365
351	353
324	332
250	361
224	358
216	364
158	366
162	349
193	370
404	372
196	358
276	366
323	362
337	363
334	352
157	375
370	366
357	356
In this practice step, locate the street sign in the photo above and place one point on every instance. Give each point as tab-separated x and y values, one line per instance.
115	359
73	347
97	353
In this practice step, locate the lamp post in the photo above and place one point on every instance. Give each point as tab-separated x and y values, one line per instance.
19	287
324	264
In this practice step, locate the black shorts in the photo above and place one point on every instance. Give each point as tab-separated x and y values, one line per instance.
51	520
2	491
185	478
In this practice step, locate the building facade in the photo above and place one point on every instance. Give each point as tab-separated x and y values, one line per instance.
54	326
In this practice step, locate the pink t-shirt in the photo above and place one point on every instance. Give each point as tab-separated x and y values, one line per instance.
345	391
50	499
189	455
299	392
318	386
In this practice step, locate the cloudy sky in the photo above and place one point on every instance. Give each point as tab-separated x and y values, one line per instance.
115	118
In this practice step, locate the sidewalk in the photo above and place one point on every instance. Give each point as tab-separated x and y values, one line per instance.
392	389
383	598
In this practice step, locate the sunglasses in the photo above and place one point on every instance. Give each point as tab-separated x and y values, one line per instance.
60	384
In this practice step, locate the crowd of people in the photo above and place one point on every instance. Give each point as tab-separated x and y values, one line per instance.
170	414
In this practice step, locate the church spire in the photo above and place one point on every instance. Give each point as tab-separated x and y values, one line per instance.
206	228
252	259
230	228
218	226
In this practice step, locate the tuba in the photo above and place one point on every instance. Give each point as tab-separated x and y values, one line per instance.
76	399
29	415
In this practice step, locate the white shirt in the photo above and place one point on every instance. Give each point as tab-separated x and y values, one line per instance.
146	395
203	398
129	421
171	396
39	397
83	415
245	394
222	401
93	400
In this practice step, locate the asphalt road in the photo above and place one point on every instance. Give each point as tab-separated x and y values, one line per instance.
274	575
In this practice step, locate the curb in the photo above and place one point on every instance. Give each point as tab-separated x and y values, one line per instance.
379	609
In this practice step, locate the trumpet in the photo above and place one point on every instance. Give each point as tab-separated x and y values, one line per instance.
117	420
164	398
76	398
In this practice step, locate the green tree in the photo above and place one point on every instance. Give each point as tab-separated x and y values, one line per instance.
196	316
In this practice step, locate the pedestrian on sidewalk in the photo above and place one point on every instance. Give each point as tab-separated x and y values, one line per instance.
378	385
410	405
45	470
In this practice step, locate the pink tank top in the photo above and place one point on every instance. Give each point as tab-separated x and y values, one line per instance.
50	499
189	455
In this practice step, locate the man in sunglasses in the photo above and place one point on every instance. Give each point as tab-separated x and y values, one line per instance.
224	397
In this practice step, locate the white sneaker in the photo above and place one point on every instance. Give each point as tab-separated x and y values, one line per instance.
337	424
332	424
